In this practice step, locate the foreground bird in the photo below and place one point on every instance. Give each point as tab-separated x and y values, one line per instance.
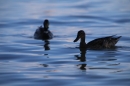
43	32
99	43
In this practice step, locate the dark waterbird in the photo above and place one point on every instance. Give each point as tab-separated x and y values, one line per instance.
99	43
43	32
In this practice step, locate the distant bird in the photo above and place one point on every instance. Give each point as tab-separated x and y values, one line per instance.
43	32
99	43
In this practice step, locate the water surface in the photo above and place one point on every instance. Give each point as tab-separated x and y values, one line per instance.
25	61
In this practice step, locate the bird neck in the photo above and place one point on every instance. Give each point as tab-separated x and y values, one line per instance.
82	42
45	28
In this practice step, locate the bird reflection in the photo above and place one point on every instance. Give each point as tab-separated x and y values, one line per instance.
82	58
46	45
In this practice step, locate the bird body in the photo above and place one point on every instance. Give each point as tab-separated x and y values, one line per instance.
41	33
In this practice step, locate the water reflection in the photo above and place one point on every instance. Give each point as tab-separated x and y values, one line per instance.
44	65
46	45
109	55
82	66
82	58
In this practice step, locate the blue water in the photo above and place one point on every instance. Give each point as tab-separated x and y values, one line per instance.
25	61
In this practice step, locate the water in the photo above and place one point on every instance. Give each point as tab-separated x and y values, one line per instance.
25	61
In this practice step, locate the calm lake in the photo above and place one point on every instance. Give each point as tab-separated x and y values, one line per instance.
25	61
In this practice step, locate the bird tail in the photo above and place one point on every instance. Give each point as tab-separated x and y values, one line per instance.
117	39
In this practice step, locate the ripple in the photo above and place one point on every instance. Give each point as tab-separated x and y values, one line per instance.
123	21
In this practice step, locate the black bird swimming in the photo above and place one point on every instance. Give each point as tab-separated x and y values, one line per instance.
43	32
99	43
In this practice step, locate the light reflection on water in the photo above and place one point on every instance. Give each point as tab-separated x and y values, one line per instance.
26	61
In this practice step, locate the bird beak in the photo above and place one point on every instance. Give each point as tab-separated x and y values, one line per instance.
77	38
